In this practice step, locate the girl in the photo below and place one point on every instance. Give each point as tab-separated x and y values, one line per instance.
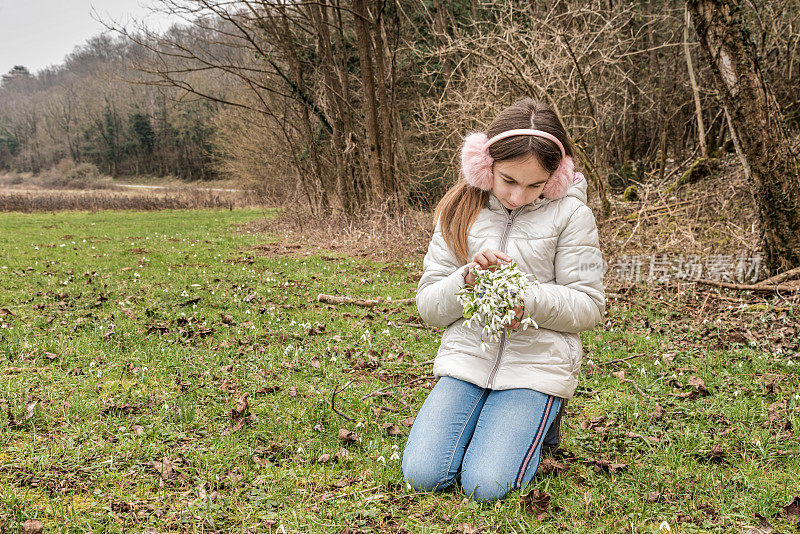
519	198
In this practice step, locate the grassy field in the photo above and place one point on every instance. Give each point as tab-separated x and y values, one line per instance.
173	371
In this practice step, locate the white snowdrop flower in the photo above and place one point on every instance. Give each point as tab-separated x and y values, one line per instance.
408	486
381	459
136	275
359	424
300	450
658	362
797	397
394	447
736	393
394	456
664	527
740	364
642	370
333	358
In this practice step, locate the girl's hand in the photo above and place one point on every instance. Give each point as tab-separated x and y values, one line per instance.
486	259
515	323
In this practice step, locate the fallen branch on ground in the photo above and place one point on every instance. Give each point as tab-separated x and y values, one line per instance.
749	287
378	391
779	277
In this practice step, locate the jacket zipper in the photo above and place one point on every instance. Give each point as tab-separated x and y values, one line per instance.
503	245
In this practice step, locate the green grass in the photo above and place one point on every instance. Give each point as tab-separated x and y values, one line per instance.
201	317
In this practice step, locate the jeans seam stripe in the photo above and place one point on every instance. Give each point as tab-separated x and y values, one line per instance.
537	437
463	428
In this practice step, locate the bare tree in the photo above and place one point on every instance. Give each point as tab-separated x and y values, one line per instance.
759	126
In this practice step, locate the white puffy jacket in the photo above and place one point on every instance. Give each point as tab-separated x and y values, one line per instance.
557	242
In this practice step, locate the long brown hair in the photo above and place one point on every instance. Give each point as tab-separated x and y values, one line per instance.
459	207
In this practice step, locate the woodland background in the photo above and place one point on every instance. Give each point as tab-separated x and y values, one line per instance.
341	105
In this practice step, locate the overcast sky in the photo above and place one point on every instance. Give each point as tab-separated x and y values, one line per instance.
39	33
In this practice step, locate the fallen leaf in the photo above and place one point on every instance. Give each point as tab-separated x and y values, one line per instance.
392	429
408	421
792	510
50	356
241	408
606	466
293	391
347	435
323	458
342	454
763	527
658	412
592	422
466	528
5	311
341	483
549	465
316	328
619	374
32	526
315	363
536	502
654	496
124	409
698	389
164	467
266	390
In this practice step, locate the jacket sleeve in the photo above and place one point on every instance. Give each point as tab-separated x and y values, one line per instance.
442	277
577	300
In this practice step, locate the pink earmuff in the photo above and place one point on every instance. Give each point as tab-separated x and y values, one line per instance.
476	163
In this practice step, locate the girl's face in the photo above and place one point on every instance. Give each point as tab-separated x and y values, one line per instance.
518	182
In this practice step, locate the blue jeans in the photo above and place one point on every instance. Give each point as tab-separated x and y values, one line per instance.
490	439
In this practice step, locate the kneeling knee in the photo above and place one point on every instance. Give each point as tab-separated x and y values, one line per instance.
484	486
423	476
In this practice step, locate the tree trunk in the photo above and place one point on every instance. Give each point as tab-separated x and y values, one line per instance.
388	163
373	142
758	124
698	109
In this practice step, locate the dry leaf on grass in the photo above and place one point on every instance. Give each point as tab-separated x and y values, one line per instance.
347	435
164	467
124	409
792	510
32	526
392	429
763	527
550	465
605	465
536	502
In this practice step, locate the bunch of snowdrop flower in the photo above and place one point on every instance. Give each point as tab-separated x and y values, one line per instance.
491	301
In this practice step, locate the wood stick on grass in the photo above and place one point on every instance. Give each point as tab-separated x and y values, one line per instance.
779	277
748	287
378	391
333	400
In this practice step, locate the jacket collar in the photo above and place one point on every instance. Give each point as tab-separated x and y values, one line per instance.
494	204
